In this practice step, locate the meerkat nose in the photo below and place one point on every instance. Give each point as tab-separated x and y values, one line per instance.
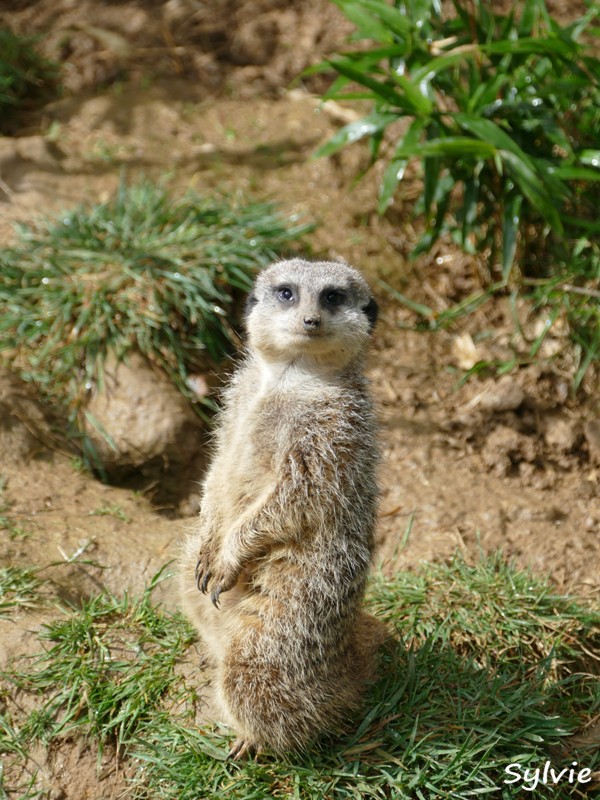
312	322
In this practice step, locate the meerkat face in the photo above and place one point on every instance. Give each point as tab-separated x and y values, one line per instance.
301	309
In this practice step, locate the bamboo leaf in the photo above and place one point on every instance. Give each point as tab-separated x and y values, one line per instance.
590	158
441	63
418	308
449	146
530	45
533	188
576	173
354	131
488	131
336	87
369	27
394	171
393	17
415	94
378	88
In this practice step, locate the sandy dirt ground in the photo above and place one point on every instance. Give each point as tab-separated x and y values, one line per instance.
205	98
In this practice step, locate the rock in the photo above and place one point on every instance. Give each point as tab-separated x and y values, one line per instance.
591	431
25	429
138	416
505	449
502	395
560	433
465	352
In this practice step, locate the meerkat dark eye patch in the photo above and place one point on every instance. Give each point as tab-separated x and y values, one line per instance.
332	298
371	311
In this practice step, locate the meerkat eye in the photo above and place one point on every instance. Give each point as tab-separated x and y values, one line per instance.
333	298
285	294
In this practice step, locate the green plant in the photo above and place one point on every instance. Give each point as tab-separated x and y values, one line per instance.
488	669
106	667
26	78
502	111
110	510
141	272
19	588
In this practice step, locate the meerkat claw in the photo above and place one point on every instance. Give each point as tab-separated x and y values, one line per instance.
198	573
204	584
239	748
215	596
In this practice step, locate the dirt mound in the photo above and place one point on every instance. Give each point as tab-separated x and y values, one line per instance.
252	48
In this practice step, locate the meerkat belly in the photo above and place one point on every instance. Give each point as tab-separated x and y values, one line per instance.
303	574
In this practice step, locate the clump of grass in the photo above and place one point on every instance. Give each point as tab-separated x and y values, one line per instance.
106	667
27	79
489	667
487	612
19	589
142	272
110	510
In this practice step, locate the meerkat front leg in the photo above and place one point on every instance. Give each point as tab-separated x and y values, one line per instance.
210	543
218	570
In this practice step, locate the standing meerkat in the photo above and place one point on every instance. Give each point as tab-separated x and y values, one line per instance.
275	571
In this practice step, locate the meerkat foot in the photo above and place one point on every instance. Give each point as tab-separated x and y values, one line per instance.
242	747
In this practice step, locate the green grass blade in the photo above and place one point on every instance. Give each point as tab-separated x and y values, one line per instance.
510	233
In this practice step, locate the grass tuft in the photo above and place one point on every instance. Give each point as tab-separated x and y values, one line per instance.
105	667
141	272
488	612
19	589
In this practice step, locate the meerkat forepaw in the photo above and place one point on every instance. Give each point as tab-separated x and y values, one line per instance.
215	579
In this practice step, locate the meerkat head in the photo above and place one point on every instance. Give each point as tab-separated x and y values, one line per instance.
319	310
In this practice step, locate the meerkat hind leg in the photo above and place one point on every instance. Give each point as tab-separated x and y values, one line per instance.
242	747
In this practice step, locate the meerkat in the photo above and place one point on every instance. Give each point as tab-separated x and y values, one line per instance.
275	570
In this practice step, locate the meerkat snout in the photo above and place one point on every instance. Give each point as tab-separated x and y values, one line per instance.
312	323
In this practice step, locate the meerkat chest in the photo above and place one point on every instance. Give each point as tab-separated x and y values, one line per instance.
262	419
247	450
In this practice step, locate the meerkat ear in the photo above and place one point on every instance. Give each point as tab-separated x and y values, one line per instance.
371	311
251	301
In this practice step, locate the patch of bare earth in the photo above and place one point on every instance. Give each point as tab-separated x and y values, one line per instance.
199	92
